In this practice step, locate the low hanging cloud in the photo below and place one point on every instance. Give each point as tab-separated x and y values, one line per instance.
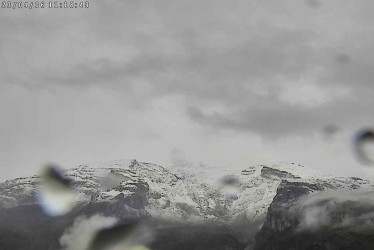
336	209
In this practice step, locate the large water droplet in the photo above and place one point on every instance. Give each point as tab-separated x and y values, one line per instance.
112	180
230	186
364	146
56	197
130	236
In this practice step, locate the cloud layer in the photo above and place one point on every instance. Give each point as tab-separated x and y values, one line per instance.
336	209
269	70
266	72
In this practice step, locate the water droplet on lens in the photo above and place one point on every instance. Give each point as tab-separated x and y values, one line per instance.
56	197
112	180
230	186
330	131
364	146
129	236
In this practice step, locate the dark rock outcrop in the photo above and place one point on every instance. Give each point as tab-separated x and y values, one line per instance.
343	226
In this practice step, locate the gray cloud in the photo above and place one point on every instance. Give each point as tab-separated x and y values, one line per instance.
225	77
251	66
271	69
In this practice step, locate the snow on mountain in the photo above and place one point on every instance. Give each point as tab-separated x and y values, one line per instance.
177	194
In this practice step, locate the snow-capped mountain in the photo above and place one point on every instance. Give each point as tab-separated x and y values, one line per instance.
180	195
239	198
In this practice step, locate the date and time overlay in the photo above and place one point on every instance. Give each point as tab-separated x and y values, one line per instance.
45	4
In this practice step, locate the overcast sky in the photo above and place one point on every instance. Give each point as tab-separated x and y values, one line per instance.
212	82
